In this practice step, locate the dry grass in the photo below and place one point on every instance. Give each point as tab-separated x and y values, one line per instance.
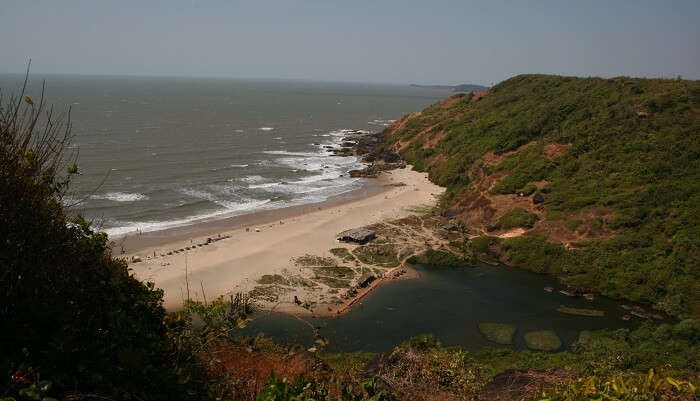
515	385
242	371
313	260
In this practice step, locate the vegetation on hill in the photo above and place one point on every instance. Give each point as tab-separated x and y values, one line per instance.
605	171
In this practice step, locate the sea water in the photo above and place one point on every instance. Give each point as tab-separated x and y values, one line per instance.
155	153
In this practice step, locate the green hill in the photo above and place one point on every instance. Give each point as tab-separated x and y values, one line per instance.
597	180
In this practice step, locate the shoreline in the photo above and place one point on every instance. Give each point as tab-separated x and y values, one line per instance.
408	273
232	255
134	244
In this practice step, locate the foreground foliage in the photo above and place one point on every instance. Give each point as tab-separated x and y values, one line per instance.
301	389
635	387
74	320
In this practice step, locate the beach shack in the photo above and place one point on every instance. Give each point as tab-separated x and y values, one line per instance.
357	235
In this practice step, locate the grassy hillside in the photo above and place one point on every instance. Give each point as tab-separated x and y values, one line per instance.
604	175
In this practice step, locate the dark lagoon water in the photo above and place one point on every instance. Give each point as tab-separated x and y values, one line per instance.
449	303
173	151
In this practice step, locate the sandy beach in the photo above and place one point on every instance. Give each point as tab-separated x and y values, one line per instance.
267	243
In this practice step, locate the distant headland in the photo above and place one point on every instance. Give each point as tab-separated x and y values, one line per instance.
454	88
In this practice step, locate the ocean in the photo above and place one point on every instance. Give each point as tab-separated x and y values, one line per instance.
156	153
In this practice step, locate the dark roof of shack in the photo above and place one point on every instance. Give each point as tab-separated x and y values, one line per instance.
357	233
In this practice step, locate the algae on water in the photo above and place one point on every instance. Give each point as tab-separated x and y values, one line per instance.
543	340
500	333
580	311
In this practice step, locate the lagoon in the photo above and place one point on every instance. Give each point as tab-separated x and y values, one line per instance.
449	303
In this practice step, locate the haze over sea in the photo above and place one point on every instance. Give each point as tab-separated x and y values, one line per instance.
163	152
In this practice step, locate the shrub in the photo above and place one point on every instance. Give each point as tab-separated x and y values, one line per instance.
538	198
528	189
620	386
69	310
305	389
516	218
423	342
482	244
440	258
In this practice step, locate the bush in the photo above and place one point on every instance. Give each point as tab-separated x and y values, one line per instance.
423	342
70	311
304	389
440	258
482	244
620	386
538	198
516	218
528	189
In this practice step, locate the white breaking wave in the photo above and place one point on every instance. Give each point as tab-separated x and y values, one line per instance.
287	153
322	175
230	205
253	178
121	197
268	185
130	227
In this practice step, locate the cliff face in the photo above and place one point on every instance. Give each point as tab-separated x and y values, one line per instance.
598	179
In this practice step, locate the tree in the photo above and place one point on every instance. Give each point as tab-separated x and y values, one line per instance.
69	311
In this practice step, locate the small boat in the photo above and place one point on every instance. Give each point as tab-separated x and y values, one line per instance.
548	289
567	293
589	297
626	317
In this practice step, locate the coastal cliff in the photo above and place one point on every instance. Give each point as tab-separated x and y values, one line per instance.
594	180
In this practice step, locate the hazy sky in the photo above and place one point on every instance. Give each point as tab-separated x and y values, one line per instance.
407	41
